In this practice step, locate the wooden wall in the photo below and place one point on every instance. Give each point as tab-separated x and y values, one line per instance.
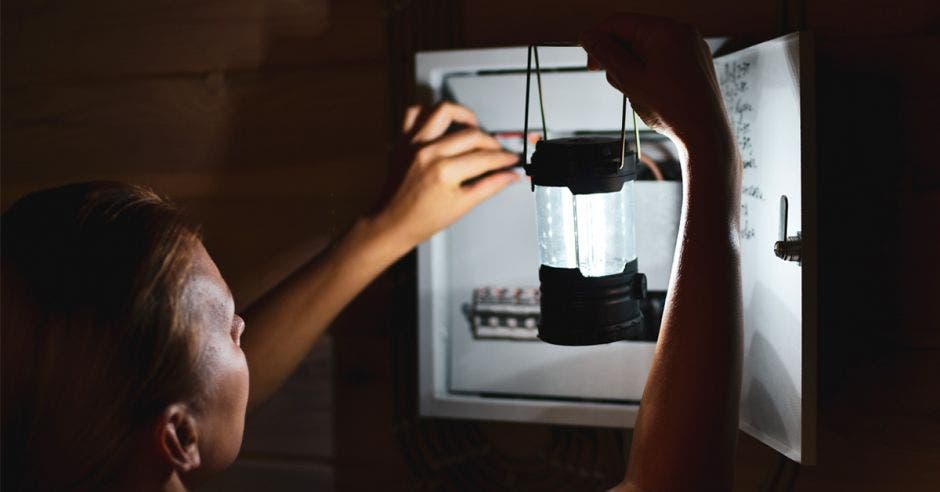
879	356
266	118
270	120
251	113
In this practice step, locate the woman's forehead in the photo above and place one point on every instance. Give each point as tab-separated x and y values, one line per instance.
206	290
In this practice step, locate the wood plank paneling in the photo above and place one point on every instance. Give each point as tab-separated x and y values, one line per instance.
257	241
495	23
755	464
367	452
106	39
872	17
891	403
266	119
878	425
881	431
255	121
920	267
260	475
297	422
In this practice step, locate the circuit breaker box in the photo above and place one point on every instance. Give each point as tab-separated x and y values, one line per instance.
478	279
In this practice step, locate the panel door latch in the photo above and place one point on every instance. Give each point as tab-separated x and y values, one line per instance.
788	248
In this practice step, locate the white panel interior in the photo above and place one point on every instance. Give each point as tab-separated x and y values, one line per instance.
574	101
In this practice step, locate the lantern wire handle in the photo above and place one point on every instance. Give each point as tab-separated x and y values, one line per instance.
623	131
538	80
636	134
623	134
525	130
534	48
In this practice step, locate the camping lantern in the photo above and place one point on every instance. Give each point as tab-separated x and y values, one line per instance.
585	217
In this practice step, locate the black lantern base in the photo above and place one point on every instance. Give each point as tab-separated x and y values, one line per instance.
579	310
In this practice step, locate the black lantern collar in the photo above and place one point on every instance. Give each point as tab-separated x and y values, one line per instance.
584	165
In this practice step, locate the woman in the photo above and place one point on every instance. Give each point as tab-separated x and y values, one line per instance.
124	365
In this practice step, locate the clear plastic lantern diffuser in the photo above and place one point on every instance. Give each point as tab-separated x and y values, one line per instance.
585	215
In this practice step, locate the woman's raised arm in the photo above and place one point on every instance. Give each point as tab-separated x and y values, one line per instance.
283	325
685	433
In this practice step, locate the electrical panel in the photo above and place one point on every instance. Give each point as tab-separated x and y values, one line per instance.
478	279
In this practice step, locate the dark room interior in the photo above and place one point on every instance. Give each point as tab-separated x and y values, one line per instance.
273	122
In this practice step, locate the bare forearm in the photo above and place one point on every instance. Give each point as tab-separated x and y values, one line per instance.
284	324
685	431
688	416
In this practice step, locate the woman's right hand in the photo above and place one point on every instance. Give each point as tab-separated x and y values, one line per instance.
445	174
665	69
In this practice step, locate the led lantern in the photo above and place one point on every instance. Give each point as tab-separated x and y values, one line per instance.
585	216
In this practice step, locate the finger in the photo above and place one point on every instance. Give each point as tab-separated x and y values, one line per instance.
706	50
472	164
614	82
488	186
411	115
624	70
707	54
592	63
441	118
610	52
648	117
460	142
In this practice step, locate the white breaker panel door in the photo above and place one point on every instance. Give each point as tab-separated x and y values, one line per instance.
501	378
768	92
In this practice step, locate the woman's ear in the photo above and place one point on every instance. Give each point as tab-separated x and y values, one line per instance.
177	438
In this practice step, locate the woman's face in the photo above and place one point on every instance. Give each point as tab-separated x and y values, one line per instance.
221	407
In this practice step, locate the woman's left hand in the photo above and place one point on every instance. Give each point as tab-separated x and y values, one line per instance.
434	191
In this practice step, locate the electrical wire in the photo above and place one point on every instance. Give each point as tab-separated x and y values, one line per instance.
652	166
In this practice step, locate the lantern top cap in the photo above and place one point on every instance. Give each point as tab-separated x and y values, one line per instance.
584	164
583	149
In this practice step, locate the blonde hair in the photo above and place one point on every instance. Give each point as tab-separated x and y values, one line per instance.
95	342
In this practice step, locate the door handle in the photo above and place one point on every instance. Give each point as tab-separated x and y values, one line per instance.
788	248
